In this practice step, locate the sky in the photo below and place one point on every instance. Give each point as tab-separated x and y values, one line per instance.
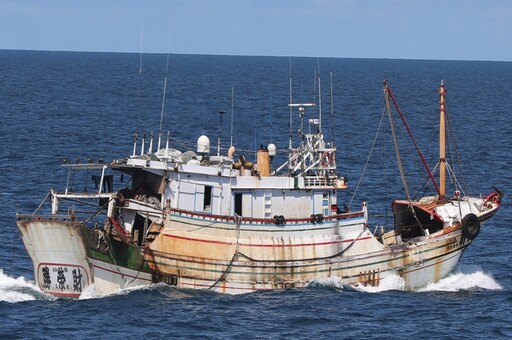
397	29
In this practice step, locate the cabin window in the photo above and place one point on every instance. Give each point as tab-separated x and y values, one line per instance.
207	203
325	204
238	204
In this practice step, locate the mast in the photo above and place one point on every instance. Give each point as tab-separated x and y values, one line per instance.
387	94
319	98
141	37
232	100
332	115
290	151
163	103
442	144
387	89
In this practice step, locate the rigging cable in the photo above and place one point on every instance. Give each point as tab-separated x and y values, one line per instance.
387	94
368	159
163	103
387	90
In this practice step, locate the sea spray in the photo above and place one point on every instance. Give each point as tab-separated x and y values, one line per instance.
18	289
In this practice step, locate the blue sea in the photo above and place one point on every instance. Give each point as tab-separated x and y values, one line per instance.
56	105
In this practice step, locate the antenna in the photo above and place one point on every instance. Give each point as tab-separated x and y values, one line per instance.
135	136
332	114
232	92
221	113
141	38
151	143
291	101
314	89
319	100
143	144
270	114
163	103
291	115
167	142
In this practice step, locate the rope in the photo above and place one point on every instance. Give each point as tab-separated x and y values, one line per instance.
40	205
454	145
100	209
368	159
238	221
238	253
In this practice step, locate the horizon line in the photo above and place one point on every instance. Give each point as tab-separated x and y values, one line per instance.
252	55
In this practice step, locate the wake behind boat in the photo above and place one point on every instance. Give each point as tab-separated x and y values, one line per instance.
204	220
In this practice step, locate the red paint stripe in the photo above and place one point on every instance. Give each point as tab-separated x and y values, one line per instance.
60	265
68	295
266	245
121	274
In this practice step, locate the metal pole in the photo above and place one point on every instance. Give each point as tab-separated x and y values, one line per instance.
221	113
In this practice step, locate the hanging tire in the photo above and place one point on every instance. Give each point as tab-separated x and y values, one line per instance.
282	220
470	227
319	218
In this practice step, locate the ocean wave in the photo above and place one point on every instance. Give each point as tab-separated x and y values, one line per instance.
392	282
90	291
19	289
464	278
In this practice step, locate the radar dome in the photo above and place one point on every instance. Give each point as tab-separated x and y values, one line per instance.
203	145
272	150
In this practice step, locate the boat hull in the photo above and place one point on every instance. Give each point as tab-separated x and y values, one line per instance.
56	248
234	258
110	277
240	260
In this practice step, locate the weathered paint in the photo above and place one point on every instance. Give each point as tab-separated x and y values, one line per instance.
111	277
57	251
217	258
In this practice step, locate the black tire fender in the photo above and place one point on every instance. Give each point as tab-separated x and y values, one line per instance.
470	227
319	218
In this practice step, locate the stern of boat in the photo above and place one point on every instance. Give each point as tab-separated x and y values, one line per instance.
55	246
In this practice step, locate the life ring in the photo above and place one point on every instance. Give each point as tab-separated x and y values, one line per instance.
327	158
470	227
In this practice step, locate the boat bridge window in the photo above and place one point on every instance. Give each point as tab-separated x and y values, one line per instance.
238	204
325	204
207	201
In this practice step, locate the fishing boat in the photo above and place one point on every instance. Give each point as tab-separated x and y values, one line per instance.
431	214
202	219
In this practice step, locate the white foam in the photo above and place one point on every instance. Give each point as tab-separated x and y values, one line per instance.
333	281
17	289
464	278
90	291
391	282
